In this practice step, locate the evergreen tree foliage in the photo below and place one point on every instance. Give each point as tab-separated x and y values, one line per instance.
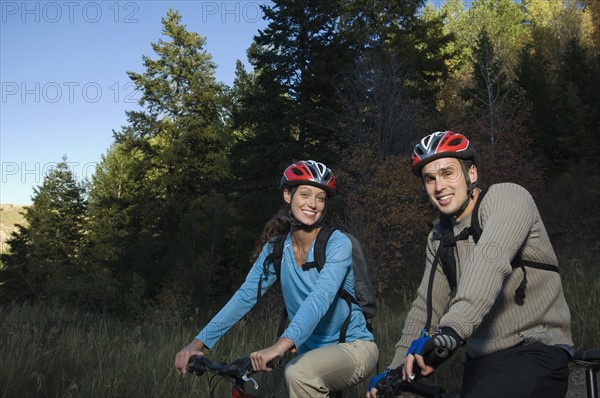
46	252
330	75
179	199
281	117
393	77
156	197
286	113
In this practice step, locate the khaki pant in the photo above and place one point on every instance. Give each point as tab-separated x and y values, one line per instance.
334	368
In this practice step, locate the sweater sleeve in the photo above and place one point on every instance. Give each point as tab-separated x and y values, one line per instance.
506	215
241	302
417	315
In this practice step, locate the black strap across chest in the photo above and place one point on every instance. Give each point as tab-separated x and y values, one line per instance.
445	256
275	258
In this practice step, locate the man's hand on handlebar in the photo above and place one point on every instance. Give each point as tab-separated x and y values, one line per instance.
428	352
415	367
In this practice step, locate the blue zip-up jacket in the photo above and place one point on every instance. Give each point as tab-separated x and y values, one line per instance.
315	311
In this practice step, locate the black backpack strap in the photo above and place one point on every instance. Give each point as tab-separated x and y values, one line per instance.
475	228
319	249
517	262
319	256
445	253
448	240
446	250
436	260
349	300
277	257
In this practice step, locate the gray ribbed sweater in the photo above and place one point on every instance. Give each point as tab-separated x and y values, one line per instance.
484	310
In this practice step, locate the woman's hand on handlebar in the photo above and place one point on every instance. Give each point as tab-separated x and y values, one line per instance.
183	356
260	359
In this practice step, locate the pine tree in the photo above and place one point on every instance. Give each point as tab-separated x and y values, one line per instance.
47	251
181	125
156	197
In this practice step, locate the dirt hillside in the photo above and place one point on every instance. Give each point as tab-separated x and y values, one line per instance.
9	216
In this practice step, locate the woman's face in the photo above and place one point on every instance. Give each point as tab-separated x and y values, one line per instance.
307	204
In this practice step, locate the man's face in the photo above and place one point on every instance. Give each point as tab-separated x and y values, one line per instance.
445	184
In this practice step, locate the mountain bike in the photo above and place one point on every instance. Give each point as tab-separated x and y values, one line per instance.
237	372
588	360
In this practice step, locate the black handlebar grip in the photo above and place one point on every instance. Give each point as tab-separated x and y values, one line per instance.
433	359
275	363
436	357
195	365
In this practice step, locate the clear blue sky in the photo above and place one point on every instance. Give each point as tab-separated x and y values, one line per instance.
63	71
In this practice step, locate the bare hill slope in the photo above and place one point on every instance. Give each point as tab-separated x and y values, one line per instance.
9	216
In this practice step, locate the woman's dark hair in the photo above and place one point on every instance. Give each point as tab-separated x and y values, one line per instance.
276	228
280	224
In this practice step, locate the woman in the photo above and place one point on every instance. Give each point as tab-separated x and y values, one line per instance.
316	313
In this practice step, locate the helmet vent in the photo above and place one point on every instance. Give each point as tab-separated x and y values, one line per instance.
455	142
311	173
441	144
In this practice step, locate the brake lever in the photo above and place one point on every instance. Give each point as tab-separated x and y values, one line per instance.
247	378
245	363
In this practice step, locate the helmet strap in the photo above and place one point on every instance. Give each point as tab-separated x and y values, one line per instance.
470	190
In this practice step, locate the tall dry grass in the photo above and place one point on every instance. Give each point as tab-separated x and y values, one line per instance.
51	351
54	351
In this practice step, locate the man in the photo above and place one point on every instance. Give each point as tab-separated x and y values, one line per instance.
499	294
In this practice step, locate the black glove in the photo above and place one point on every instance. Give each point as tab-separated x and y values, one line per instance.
440	346
386	382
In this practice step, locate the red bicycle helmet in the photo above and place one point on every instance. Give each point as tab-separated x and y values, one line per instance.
309	172
442	144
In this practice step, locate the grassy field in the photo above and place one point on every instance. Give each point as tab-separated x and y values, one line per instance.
52	351
55	351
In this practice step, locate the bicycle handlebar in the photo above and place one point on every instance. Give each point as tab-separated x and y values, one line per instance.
199	364
435	358
589	355
589	359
